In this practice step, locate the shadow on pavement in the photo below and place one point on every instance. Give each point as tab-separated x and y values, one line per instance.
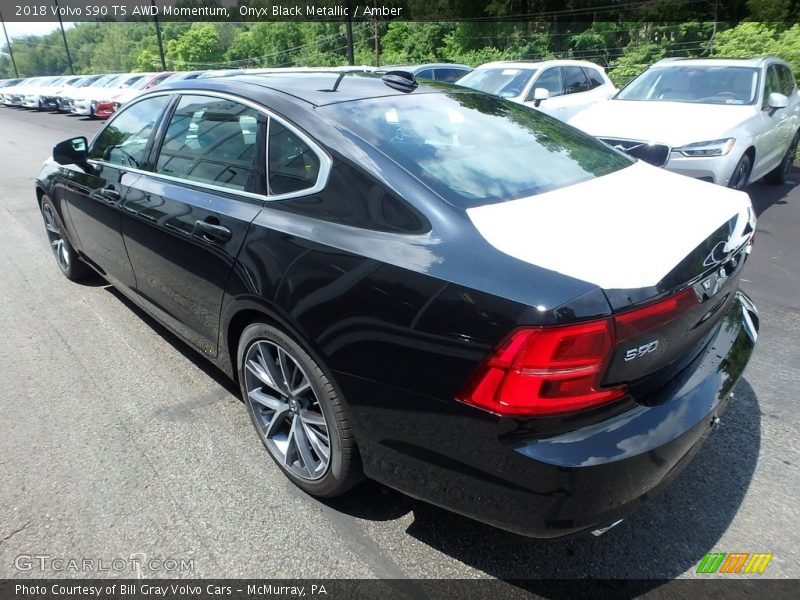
667	537
764	195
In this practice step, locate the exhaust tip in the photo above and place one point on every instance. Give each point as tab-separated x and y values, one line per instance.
602	530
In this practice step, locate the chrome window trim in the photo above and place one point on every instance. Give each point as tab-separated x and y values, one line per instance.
325	161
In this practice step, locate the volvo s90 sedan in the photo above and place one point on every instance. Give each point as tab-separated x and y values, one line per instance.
447	292
725	121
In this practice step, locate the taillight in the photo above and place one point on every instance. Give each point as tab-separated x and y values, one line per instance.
539	371
545	370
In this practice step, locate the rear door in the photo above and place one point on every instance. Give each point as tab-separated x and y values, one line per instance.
185	221
93	195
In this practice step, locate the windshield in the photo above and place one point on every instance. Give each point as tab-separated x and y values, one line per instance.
700	85
474	149
505	82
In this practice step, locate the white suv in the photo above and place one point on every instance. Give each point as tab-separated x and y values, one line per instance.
559	88
726	121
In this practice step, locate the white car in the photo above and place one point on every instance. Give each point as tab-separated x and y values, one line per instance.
560	88
725	121
83	97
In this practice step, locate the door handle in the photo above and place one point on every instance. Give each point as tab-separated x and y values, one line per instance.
211	231
110	195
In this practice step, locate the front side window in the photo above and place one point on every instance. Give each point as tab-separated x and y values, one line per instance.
425	74
293	165
551	81
210	140
124	140
772	83
787	80
474	149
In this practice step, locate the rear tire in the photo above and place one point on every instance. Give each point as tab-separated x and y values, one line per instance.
741	174
66	257
780	174
297	412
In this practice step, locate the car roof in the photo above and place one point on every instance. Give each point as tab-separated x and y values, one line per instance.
753	61
537	64
424	66
314	88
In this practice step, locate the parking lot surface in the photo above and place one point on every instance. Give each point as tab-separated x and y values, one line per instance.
117	440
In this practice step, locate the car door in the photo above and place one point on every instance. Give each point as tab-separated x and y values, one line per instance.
93	193
790	121
186	219
769	141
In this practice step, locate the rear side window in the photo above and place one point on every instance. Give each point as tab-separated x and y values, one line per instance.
210	140
574	80
124	140
787	80
449	75
594	77
293	165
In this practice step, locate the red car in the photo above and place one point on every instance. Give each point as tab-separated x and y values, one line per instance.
103	109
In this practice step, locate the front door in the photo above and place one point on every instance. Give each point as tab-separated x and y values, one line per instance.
184	224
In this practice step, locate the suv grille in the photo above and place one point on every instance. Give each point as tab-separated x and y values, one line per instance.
655	154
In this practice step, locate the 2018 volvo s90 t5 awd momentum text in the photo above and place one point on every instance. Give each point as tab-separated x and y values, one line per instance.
436	288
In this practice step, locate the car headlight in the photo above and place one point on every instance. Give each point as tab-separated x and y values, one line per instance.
712	148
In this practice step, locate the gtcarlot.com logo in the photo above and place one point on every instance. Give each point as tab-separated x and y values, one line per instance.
136	564
734	562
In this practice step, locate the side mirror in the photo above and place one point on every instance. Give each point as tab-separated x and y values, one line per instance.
776	101
71	152
540	94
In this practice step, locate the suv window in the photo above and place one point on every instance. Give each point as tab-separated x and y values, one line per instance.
594	77
549	80
425	74
772	83
574	80
449	75
210	140
786	80
124	140
293	165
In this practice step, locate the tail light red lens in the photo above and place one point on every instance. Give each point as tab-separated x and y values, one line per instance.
545	370
540	371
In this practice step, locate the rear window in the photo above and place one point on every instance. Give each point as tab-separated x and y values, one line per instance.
475	149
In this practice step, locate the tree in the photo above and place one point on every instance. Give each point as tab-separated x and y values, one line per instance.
198	47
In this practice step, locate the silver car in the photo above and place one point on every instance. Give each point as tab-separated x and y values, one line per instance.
725	121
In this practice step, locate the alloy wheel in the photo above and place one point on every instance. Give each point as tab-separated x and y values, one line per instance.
739	178
54	235
286	410
788	160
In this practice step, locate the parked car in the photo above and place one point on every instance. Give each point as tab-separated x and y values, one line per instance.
447	72
103	109
64	97
396	275
725	121
48	96
181	75
13	94
560	88
86	99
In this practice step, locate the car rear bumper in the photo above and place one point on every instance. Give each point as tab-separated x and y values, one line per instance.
554	477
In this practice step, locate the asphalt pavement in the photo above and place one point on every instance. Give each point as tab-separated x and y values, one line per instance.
118	441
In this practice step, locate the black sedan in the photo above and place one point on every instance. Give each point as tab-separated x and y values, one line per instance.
435	288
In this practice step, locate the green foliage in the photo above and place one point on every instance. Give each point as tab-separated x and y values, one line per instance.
626	48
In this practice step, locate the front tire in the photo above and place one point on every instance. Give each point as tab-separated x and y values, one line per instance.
780	174
67	259
741	174
297	412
